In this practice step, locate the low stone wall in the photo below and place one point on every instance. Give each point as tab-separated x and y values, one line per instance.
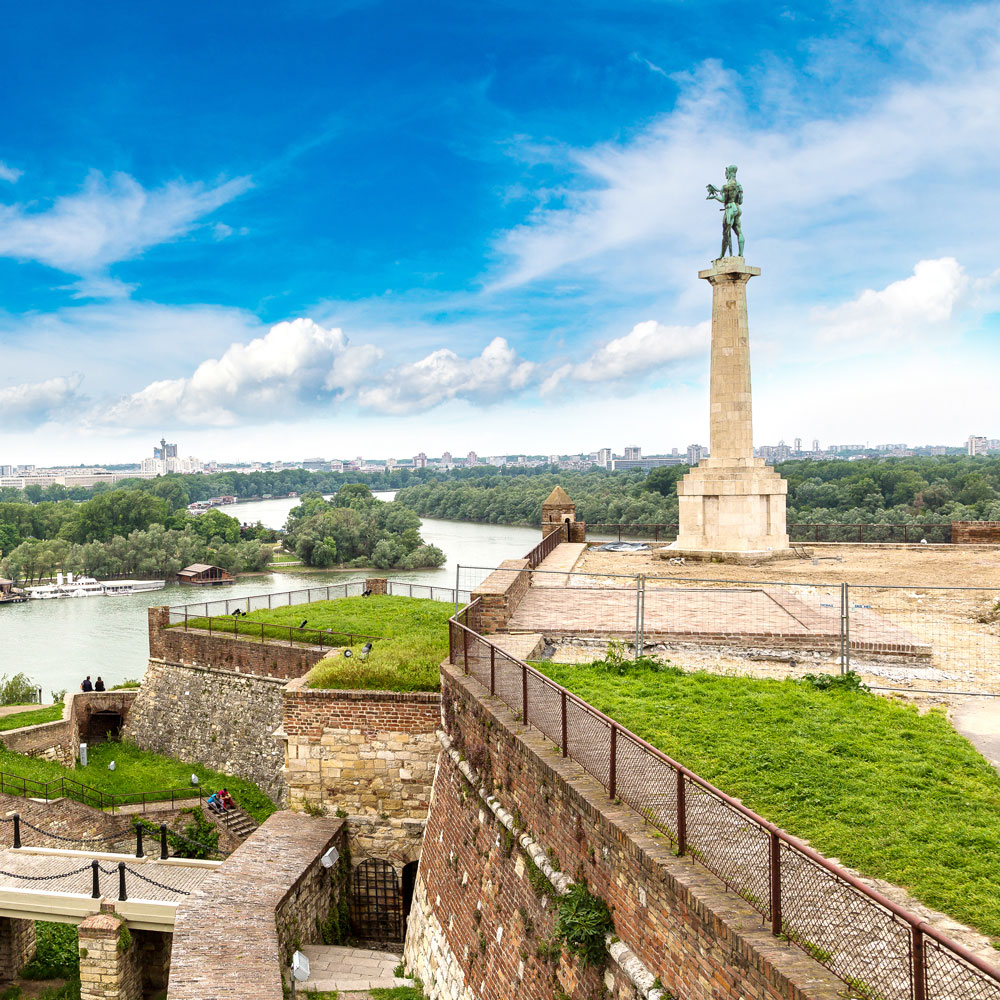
233	940
975	532
220	718
508	815
499	595
60	741
109	958
368	752
198	647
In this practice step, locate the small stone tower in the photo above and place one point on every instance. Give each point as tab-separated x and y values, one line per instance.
560	512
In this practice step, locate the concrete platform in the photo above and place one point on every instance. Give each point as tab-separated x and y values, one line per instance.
350	969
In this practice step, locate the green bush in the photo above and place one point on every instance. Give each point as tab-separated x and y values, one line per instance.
57	954
583	923
200	837
17	690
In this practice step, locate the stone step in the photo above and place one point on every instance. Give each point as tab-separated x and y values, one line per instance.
332	967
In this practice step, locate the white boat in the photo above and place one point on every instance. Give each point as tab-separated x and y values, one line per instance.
87	586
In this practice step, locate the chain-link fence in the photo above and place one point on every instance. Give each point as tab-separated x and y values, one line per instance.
879	949
928	640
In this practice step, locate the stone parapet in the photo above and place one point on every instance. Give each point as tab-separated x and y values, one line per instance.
975	532
109	958
499	595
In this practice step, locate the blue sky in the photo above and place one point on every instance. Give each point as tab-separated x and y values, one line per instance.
377	228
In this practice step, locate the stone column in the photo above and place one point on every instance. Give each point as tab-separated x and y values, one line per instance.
109	958
17	946
731	427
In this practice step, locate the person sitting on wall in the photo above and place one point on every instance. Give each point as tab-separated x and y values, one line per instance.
99	686
86	685
227	800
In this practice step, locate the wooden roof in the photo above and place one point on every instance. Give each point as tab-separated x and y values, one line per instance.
198	568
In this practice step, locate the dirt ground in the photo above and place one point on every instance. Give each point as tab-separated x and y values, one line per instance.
910	566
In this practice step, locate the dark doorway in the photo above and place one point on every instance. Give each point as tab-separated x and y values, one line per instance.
409	883
103	726
375	906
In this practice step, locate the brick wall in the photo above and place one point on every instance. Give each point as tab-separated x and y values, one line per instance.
975	532
220	718
368	752
272	888
499	595
17	945
478	928
271	658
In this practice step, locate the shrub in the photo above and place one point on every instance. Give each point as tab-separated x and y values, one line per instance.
583	923
17	690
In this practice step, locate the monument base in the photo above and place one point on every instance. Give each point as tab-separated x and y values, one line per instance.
732	507
723	555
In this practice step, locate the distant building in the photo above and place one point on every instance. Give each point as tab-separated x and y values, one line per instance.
165	450
695	453
798	445
471	459
976	445
624	464
203	574
604	458
420	461
633	454
816	444
336	465
447	460
6	470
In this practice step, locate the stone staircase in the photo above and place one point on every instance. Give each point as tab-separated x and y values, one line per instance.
351	970
237	822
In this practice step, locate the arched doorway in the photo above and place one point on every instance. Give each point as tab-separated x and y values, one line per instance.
409	883
375	904
102	726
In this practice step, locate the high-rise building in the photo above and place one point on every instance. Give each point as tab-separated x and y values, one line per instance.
420	461
604	457
633	453
696	452
6	470
815	444
798	445
471	459
165	450
977	445
447	460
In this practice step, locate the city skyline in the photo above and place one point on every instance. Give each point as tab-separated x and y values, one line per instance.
366	228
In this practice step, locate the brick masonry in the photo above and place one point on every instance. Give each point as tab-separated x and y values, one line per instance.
368	752
197	647
109	964
220	718
60	741
17	945
499	596
273	889
975	532
478	929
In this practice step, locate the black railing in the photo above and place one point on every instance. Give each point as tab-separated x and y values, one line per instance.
259	631
69	788
544	547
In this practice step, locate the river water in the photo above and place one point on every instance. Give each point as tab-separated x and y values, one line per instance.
57	643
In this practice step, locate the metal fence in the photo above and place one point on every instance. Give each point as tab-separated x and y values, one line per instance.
916	639
911	534
57	788
882	951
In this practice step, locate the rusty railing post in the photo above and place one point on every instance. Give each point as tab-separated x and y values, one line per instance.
919	971
775	884
465	648
613	763
493	669
681	813
565	739
524	692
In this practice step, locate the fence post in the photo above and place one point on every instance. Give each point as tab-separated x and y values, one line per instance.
843	628
457	570
465	648
681	813
17	830
638	613
138	838
96	891
565	738
121	881
775	885
493	669
919	972
847	627
613	763
524	692
164	853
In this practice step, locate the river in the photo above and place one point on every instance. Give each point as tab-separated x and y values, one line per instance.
57	643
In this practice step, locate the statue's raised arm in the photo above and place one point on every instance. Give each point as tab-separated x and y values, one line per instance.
731	196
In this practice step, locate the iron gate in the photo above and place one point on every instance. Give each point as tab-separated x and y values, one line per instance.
376	907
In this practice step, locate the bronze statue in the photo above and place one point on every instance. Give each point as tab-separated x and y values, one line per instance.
731	197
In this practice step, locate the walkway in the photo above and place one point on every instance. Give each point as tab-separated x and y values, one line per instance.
351	969
561	560
58	885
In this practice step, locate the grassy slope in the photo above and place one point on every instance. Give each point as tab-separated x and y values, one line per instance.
139	771
31	717
416	632
891	793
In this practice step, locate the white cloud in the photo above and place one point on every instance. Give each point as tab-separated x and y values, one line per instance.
9	173
295	363
904	310
35	402
444	375
100	287
110	219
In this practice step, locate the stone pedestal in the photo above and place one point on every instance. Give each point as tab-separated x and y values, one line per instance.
731	506
109	958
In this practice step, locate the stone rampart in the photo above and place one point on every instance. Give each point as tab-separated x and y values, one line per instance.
483	919
367	752
220	718
235	938
198	647
499	596
975	532
60	740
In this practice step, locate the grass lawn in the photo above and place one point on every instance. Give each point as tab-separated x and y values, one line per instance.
285	557
139	771
891	793
407	658
31	717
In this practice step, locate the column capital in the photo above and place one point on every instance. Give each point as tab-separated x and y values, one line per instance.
729	269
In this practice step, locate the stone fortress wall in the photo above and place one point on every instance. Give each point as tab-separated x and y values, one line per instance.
509	816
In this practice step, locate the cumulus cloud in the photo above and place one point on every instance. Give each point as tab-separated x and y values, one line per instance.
9	173
925	301
296	363
444	375
33	403
108	220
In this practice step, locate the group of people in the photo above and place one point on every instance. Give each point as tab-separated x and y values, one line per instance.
220	801
87	685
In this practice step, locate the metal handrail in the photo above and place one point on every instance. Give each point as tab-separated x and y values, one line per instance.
263	631
536	556
918	928
70	788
